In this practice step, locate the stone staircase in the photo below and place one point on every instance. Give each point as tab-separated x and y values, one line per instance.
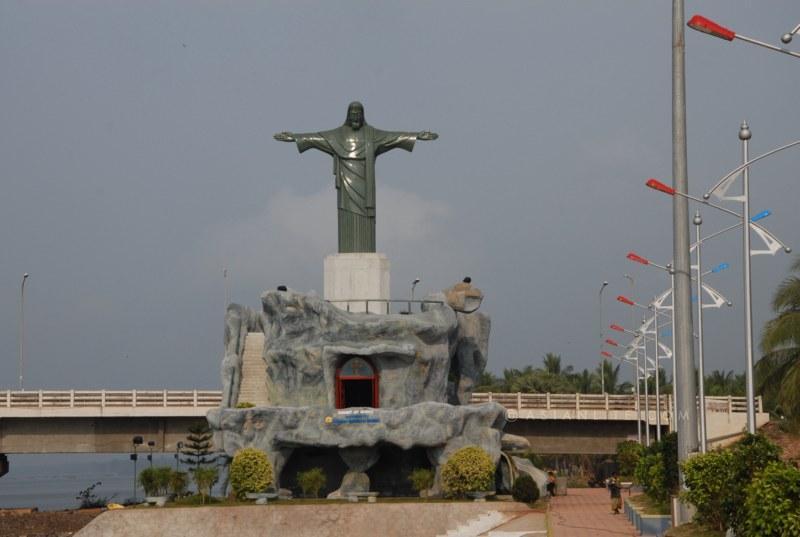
478	525
253	388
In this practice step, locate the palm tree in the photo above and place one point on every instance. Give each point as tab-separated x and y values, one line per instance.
778	371
552	363
610	374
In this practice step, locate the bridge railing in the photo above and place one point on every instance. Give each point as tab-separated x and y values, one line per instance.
109	398
591	401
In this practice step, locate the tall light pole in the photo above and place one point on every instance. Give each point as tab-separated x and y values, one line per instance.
744	135
413	287
683	353
638	396
602	364
22	330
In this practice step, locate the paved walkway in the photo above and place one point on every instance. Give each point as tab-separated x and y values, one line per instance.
586	512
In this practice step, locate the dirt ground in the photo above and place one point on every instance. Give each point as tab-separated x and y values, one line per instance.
23	522
789	443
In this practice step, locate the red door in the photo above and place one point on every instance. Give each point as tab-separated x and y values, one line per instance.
356	383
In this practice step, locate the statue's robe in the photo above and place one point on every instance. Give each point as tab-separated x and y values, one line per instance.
354	152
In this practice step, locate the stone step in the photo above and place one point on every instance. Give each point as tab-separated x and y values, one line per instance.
476	526
253	388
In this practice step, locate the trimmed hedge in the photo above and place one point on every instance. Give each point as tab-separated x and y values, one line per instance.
525	489
250	471
469	469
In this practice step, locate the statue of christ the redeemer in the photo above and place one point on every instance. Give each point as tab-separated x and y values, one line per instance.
354	147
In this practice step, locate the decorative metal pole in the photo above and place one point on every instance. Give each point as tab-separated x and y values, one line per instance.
658	388
646	390
602	364
638	394
744	136
683	352
701	371
22	330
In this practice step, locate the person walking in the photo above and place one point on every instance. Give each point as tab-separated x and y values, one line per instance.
551	484
615	491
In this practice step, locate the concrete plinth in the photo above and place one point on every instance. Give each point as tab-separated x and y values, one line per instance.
357	282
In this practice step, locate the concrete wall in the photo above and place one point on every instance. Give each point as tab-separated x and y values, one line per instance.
91	435
579	437
320	520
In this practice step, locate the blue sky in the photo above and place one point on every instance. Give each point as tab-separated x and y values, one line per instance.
137	160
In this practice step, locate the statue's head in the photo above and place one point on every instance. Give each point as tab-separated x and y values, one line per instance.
355	115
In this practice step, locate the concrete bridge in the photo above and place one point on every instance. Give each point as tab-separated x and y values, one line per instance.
595	423
105	421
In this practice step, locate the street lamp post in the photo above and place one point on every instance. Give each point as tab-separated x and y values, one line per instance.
637	392
707	26
22	330
701	381
137	441
150	444
413	287
602	365
178	448
683	352
744	135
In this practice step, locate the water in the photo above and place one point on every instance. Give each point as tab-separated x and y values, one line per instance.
51	482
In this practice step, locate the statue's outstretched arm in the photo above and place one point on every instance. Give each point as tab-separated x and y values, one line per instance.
285	136
427	135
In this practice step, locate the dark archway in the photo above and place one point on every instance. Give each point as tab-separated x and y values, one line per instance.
356	383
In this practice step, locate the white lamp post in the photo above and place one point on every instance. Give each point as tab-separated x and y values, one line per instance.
602	365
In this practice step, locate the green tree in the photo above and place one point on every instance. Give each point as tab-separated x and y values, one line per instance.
778	371
198	449
552	364
204	478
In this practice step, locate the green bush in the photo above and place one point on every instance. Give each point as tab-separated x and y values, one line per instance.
469	469
245	404
525	489
628	454
250	471
178	483
772	506
718	481
657	468
311	481
204	478
750	456
710	485
155	480
90	500
421	479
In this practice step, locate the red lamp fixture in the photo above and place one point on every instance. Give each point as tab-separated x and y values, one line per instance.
617	327
607	354
626	300
707	26
612	343
637	258
655	184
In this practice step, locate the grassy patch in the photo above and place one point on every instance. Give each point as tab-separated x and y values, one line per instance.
646	505
693	530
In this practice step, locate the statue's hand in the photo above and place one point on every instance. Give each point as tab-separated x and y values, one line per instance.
427	135
284	137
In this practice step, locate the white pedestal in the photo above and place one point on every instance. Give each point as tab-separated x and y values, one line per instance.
357	282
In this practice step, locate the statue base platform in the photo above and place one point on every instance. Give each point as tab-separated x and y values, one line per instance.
358	282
